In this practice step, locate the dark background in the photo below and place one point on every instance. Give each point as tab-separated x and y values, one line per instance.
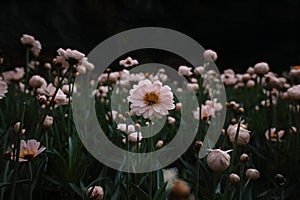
242	32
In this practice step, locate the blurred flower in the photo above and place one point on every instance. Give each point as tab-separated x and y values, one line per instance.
198	145
95	192
13	75
274	136
30	149
3	89
170	176
122	127
199	70
261	68
192	87
37	81
171	120
294	92
218	160
209	109
250	83
151	99
178	107
134	137
252	174
244	157
69	57
34	45
180	190
295	71
184	71
234	178
128	62
243	134
27	39
210	55
59	99
48	121
17	127
159	144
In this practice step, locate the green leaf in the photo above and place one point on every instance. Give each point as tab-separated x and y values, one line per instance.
140	194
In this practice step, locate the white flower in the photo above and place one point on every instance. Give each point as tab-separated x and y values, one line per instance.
3	89
68	56
210	55
243	136
184	71
151	99
218	160
128	62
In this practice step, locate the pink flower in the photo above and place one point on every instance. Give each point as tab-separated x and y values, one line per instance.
151	99
128	62
3	89
184	71
96	192
68	56
210	55
30	149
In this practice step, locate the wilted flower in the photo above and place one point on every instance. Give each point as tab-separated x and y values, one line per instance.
128	62
3	89
95	192
218	160
243	134
184	71
234	178
261	68
151	99
252	174
210	55
29	149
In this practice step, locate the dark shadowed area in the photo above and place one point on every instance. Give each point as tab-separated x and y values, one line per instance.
241	32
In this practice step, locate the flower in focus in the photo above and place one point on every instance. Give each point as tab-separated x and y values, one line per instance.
210	55
128	62
184	71
218	160
30	149
252	174
3	89
151	99
243	134
95	192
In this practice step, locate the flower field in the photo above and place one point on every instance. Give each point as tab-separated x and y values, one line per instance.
253	115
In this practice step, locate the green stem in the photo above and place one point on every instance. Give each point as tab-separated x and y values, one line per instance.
151	160
26	67
30	178
4	179
16	156
198	175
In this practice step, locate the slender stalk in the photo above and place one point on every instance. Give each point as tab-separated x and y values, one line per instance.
30	178
16	156
197	175
127	144
151	160
4	179
26	67
69	103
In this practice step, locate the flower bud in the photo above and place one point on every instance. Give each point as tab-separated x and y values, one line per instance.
234	178
252	174
48	122
243	134
180	190
244	157
261	68
96	192
218	160
37	81
159	144
198	145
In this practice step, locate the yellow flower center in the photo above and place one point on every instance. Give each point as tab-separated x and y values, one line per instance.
27	155
273	135
296	67
151	98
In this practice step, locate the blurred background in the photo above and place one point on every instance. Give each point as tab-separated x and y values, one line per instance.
242	32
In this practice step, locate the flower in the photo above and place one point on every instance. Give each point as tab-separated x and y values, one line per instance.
96	192
252	174
273	135
184	71
48	121
261	68
27	39
210	55
13	75
3	89
151	99
209	109
171	120
170	176
294	92
244	157
37	81
69	57
159	144
234	178
128	62
30	149
243	135
30	41
60	98
218	160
